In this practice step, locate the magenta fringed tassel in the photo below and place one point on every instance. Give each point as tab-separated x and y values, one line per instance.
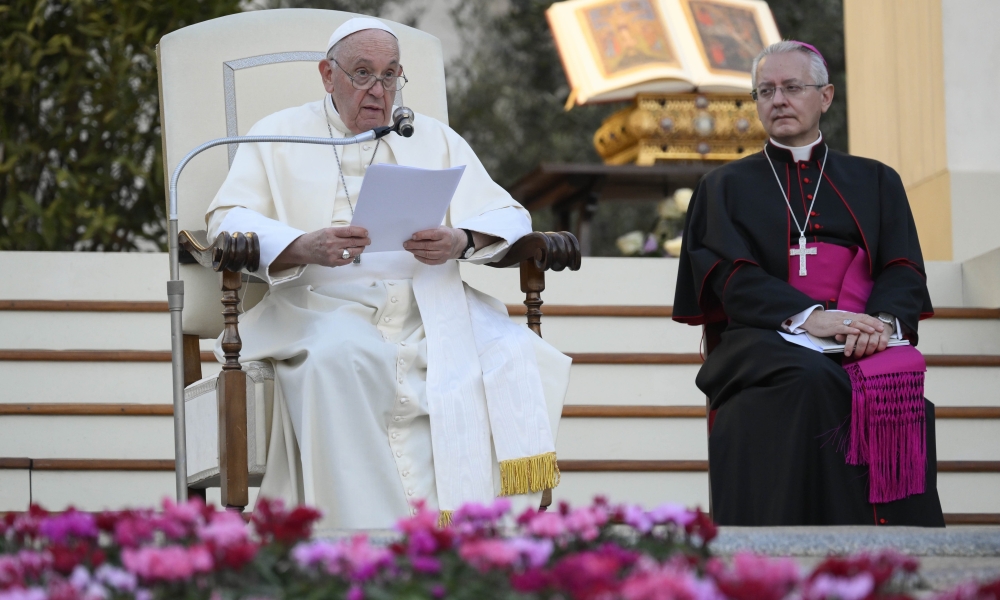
857	443
888	432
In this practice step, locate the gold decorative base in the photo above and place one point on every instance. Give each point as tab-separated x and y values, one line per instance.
709	127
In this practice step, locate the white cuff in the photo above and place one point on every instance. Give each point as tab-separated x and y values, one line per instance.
793	324
897	331
274	237
509	224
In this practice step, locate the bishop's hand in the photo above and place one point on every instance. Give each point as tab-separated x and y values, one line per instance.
864	336
323	247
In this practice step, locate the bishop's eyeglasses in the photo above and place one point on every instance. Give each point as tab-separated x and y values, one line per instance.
792	90
363	80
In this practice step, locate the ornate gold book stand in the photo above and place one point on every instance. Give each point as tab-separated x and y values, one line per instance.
685	127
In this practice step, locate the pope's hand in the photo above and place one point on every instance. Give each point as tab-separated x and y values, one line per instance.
863	337
323	247
437	246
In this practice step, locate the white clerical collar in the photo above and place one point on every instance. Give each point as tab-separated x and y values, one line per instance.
800	153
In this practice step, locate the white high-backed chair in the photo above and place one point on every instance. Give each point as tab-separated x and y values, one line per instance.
217	79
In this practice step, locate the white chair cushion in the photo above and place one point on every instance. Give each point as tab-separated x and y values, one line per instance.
202	424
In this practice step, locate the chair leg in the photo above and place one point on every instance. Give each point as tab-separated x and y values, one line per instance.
546	500
197	493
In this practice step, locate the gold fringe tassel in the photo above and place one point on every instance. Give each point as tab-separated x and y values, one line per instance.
444	519
529	474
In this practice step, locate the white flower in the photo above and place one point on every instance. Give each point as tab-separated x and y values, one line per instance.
673	247
631	243
683	198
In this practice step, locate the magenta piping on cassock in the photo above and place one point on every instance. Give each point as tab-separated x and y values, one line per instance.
888	420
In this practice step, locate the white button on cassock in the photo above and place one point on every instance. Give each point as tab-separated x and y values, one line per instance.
398	453
386	319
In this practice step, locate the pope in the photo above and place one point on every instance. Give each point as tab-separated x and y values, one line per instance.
395	382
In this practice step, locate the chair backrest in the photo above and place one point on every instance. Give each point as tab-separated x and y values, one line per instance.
219	77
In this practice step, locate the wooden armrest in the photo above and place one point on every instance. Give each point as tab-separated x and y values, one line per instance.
232	252
551	250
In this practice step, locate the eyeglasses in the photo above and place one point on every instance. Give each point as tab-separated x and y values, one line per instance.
363	80
766	94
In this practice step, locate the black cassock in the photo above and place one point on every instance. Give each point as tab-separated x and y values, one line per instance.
782	410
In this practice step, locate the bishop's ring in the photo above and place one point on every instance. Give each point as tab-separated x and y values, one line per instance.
846	321
346	255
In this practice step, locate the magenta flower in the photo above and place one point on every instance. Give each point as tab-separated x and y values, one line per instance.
651	581
71	523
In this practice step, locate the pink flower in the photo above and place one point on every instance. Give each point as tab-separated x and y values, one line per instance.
586	522
755	577
116	578
637	518
171	563
24	594
226	529
486	554
672	513
547	525
843	588
667	582
356	558
533	553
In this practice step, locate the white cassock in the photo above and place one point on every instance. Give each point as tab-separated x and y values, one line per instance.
395	381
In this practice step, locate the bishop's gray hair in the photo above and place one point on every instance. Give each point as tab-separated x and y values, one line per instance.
816	67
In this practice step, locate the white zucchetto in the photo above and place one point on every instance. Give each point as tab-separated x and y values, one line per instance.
355	25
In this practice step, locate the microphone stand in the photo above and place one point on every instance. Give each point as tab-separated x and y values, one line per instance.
175	286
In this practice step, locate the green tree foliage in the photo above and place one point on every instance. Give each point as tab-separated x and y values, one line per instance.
80	155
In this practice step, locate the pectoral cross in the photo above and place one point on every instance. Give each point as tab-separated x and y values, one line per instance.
801	252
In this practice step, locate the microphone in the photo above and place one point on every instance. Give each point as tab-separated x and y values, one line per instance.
402	121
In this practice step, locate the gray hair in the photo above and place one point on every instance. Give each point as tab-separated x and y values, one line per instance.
816	67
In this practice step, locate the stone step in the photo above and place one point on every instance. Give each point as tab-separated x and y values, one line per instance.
977	493
71	330
33	382
92	490
580	438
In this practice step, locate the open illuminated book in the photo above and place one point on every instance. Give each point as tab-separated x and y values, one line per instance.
826	345
615	49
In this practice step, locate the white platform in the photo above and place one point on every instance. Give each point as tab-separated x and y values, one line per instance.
601	281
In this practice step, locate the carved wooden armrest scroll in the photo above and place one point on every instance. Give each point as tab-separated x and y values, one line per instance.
229	254
536	253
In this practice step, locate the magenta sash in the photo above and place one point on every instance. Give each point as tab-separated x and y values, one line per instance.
888	431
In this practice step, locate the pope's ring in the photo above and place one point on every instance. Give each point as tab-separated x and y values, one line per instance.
346	254
846	321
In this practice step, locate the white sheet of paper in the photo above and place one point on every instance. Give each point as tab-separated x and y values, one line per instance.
395	202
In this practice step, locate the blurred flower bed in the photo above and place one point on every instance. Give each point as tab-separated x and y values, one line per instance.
664	235
599	552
